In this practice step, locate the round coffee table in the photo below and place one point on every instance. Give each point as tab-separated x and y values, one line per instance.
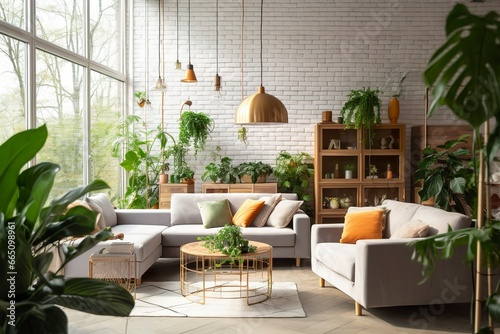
207	274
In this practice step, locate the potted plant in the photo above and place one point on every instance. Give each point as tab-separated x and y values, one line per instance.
141	98
447	176
362	109
229	241
372	172
224	172
349	168
466	81
255	172
141	162
30	235
293	174
393	106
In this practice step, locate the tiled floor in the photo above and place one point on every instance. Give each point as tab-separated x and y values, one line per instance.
328	311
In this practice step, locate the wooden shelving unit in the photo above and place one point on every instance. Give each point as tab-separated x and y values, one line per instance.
386	147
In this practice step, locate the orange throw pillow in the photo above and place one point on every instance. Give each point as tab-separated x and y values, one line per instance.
362	225
247	212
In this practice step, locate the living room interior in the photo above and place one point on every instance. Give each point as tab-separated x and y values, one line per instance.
308	54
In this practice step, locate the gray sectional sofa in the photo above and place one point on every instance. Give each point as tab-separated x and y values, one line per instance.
160	233
380	272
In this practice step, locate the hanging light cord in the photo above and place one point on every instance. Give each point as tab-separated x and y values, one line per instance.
261	19
242	49
159	37
217	37
189	30
177	33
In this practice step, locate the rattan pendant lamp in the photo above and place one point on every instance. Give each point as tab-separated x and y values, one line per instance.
190	75
261	108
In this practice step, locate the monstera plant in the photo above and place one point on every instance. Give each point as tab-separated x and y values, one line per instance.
464	75
30	232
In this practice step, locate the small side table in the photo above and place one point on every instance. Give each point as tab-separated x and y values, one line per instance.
116	268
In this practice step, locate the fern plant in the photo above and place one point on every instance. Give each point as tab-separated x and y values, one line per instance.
194	128
362	109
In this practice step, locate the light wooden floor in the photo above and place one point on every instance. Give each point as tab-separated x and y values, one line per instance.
328	311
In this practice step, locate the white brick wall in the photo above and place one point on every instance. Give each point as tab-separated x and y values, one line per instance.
314	53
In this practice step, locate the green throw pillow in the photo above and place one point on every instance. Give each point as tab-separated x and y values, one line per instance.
215	213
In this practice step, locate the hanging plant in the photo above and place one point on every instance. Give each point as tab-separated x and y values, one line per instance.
362	108
194	128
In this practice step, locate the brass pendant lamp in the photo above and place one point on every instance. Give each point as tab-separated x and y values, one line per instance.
190	75
217	93
261	108
159	85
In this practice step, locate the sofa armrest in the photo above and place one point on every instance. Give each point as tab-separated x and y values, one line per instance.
387	276
325	233
301	224
143	217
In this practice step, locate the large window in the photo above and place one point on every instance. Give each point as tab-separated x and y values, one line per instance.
69	75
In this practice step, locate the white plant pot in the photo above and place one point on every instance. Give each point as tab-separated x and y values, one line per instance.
348	174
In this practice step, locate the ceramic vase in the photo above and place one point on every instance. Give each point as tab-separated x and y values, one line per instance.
348	174
393	110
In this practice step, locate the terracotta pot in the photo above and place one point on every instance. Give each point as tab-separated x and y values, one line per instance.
163	178
326	116
393	110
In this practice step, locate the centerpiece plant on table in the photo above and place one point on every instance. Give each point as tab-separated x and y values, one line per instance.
229	241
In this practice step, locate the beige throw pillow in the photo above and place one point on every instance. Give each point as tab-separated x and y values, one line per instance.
414	229
270	203
283	213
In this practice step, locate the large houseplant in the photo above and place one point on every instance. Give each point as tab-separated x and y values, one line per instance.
144	161
464	74
293	174
447	176
30	294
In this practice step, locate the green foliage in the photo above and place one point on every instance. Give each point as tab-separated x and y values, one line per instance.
349	167
229	241
142	164
224	171
447	176
464	73
194	128
293	173
362	108
254	170
30	233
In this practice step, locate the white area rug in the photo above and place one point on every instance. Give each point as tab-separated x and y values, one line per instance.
163	299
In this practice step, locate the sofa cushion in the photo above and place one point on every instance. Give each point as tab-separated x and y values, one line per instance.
100	203
414	229
247	212
269	203
400	213
179	235
215	213
439	220
283	212
368	208
362	225
340	258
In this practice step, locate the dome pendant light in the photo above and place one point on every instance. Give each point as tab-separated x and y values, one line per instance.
261	108
159	85
190	75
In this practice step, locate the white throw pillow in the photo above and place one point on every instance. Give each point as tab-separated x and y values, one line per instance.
270	203
100	203
283	213
414	229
